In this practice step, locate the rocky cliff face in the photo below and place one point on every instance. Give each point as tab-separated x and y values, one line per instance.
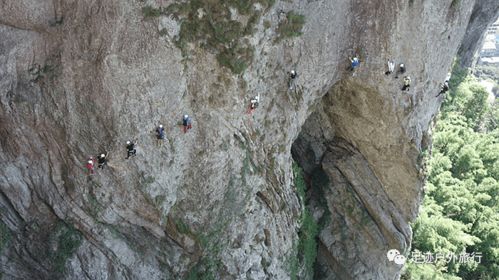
78	78
482	16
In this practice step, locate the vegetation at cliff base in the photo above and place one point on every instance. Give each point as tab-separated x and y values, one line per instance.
306	249
67	240
5	236
459	216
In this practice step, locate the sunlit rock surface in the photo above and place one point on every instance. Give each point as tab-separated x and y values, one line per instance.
78	78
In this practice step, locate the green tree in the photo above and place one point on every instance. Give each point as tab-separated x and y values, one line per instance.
460	211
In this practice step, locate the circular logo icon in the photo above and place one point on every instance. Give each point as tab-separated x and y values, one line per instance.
399	259
392	254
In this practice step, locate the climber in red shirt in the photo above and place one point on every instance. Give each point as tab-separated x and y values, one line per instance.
90	165
254	102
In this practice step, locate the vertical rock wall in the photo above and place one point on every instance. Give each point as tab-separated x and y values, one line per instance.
81	77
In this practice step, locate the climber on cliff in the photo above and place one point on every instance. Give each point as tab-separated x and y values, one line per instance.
401	70
407	83
254	102
447	78
444	88
130	149
355	62
187	123
90	165
160	134
391	67
292	79
102	160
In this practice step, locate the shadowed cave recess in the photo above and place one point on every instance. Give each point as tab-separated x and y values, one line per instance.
357	219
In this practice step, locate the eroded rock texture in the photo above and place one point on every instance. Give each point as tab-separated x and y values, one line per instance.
81	77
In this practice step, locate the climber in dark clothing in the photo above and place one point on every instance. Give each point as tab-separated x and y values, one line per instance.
401	70
187	123
292	79
444	89
101	160
160	134
130	148
254	102
407	83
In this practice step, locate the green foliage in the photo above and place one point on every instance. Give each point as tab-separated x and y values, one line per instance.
68	239
307	246
147	181
291	27
492	117
94	206
460	210
306	252
206	268
487	72
210	24
467	98
459	74
293	263
150	12
267	24
299	181
182	227
159	200
5	236
426	272
236	59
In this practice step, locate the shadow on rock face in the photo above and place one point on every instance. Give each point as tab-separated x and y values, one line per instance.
358	218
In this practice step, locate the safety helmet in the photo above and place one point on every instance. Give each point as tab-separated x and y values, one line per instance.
160	126
128	142
293	72
186	116
102	155
401	64
90	162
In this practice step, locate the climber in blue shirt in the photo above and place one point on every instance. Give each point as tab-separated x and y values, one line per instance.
355	62
187	123
160	131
